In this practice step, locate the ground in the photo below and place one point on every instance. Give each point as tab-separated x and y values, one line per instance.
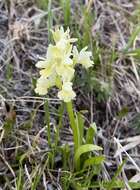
108	95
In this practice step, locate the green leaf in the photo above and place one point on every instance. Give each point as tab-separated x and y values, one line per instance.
131	40
59	126
19	181
9	72
65	156
73	124
66	5
134	53
36	179
97	160
113	181
38	171
91	132
82	150
118	184
47	121
50	20
80	123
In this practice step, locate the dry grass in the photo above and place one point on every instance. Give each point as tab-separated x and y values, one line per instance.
23	39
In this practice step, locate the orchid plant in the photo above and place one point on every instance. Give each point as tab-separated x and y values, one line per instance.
57	69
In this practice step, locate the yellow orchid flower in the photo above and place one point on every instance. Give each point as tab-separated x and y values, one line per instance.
47	68
43	84
42	63
60	34
66	94
46	72
66	72
83	57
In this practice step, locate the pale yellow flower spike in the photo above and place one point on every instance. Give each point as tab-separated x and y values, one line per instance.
57	69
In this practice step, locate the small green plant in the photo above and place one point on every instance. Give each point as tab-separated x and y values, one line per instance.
66	6
57	69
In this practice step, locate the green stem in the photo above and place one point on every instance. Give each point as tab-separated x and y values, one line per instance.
73	125
60	113
47	121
